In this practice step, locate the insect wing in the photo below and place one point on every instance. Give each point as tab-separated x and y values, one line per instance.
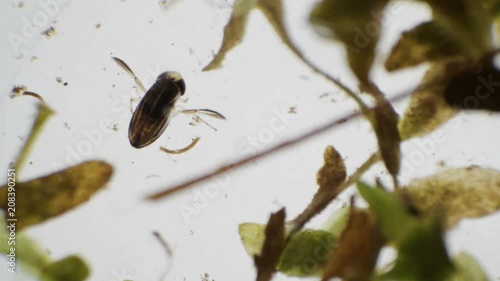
153	113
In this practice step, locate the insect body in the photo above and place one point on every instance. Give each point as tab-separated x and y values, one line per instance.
156	108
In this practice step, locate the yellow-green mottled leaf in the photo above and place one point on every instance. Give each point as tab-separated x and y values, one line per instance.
428	108
252	236
233	31
427	42
304	255
355	23
422	254
44	113
466	20
460	193
386	129
71	268
43	198
467	269
357	250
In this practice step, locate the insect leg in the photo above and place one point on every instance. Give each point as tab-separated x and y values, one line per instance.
206	111
125	67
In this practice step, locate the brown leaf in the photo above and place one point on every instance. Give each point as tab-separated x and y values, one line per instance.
461	193
386	129
274	244
358	247
233	32
428	109
427	41
476	88
329	178
43	198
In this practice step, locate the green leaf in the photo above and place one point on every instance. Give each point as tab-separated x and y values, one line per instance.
355	23
233	32
421	250
43	198
466	20
385	122
422	254
459	193
391	212
304	255
71	268
357	250
427	42
467	269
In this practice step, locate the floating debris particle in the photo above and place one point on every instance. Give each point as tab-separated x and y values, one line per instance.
18	90
49	32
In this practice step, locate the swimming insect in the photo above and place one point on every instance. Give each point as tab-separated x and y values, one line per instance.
157	107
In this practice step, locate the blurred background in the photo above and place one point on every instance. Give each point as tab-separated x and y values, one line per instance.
62	50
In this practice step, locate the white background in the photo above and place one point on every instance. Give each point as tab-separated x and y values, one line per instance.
260	80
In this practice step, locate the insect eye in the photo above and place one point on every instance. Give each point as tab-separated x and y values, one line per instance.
181	85
175	77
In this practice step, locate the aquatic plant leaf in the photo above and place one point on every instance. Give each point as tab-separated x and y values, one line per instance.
356	253
467	269
356	24
304	255
233	32
428	109
71	268
422	254
476	88
386	129
43	198
459	193
427	42
466	20
272	248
